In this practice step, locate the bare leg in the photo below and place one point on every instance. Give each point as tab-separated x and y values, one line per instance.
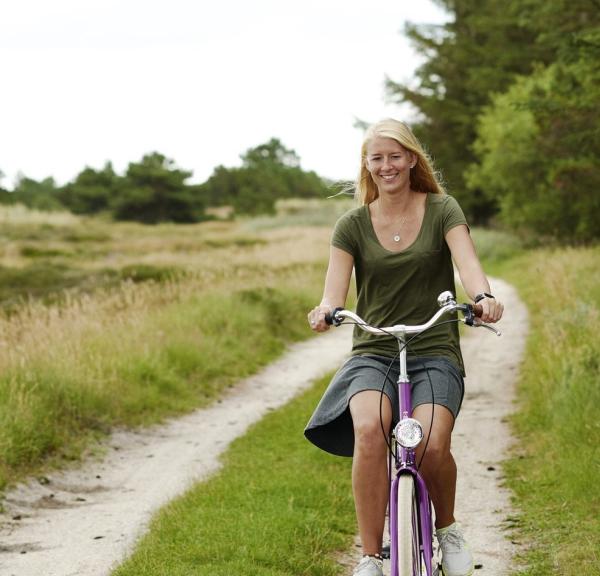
438	467
369	467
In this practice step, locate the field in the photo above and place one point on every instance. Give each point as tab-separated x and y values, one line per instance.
554	468
106	324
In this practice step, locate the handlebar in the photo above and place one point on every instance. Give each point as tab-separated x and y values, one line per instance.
447	303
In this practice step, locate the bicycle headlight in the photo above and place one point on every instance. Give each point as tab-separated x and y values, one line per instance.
408	432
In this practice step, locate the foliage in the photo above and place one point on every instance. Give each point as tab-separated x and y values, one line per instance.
42	195
91	191
154	190
269	172
511	167
509	92
540	165
539	145
476	53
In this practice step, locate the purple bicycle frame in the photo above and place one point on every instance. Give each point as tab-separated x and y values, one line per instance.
403	461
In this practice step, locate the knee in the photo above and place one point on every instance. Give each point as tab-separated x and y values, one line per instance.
369	437
436	455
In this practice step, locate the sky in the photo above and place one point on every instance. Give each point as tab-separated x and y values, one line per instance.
90	81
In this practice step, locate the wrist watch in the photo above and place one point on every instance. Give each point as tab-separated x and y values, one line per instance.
481	296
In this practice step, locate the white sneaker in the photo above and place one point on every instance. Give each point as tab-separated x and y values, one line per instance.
457	559
369	566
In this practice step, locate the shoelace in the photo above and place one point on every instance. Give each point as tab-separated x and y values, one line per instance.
454	541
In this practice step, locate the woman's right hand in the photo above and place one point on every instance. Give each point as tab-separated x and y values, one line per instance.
316	318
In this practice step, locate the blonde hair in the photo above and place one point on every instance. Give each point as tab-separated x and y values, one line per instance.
423	178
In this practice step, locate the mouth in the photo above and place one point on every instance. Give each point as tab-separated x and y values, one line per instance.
388	177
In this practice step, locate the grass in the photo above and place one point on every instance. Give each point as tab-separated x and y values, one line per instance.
554	472
150	310
43	260
156	362
495	247
110	325
279	507
298	213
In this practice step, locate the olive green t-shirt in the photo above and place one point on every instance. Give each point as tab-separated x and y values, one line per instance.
402	287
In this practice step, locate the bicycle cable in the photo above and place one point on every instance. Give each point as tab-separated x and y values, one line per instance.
386	376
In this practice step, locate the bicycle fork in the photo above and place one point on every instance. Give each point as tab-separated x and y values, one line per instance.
422	527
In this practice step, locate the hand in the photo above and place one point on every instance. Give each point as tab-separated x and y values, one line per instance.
316	318
492	310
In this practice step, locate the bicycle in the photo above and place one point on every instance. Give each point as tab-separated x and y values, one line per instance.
410	509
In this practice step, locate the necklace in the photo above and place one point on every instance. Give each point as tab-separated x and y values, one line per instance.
396	226
396	235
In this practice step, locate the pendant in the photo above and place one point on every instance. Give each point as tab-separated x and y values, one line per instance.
396	237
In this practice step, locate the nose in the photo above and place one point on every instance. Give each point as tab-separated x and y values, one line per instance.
387	163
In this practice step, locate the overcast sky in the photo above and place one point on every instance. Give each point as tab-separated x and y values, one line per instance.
86	81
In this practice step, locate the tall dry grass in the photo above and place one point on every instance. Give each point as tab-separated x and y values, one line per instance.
19	214
135	351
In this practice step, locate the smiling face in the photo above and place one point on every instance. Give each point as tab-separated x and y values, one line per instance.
389	164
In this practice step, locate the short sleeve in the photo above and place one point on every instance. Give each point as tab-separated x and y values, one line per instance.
452	215
344	235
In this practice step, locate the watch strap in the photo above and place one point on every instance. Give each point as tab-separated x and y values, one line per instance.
481	296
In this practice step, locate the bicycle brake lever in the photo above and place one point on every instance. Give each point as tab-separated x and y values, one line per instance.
490	328
477	323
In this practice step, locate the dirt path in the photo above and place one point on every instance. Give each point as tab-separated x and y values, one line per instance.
481	437
83	522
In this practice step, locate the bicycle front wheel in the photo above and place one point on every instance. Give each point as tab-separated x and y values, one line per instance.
409	556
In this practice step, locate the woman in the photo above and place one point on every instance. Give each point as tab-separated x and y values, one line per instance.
400	243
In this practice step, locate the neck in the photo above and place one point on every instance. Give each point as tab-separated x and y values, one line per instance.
395	204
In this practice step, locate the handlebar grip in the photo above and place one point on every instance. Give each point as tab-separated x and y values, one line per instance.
471	311
331	319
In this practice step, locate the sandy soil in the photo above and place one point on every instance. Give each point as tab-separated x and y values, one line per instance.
85	521
481	438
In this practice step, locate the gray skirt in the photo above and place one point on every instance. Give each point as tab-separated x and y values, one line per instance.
330	427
